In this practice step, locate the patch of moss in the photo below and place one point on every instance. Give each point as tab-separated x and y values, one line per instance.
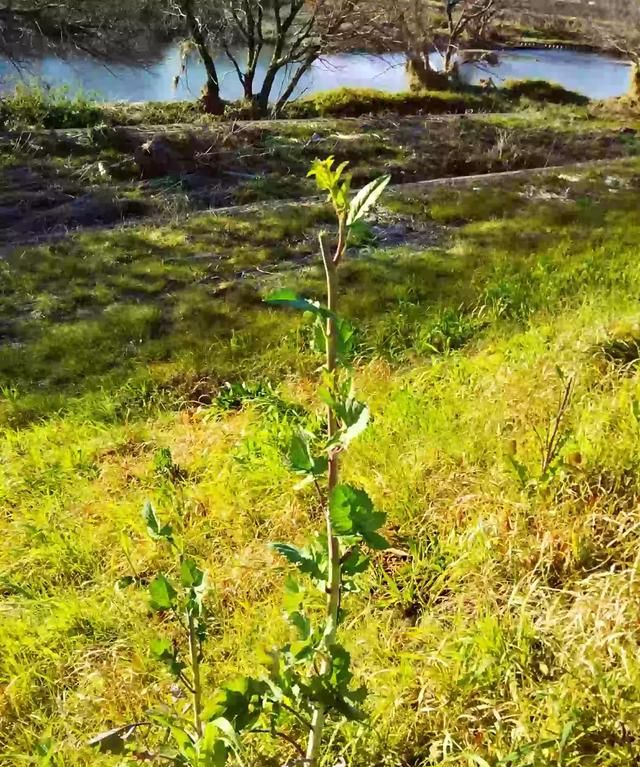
353	102
544	91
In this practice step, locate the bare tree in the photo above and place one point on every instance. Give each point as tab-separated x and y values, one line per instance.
204	24
415	24
420	28
287	35
623	33
463	18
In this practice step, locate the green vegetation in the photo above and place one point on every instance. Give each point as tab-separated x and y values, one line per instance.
500	626
353	102
32	105
543	91
310	677
154	113
54	181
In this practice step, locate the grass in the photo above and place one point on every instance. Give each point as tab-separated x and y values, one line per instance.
502	624
56	181
137	293
544	91
353	102
32	106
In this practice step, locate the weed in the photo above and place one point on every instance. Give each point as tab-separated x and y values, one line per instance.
310	678
34	106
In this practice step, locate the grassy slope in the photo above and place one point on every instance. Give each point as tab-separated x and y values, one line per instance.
512	618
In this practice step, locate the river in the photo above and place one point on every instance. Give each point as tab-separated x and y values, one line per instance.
591	74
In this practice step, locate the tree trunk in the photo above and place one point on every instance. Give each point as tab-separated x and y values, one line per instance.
635	81
304	67
210	99
422	76
262	99
449	59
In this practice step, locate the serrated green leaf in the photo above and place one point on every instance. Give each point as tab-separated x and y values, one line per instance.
333	181
301	623
340	195
353	415
293	595
161	647
366	199
191	576
306	561
239	702
302	460
356	428
213	750
340	666
375	540
321	170
150	517
299	454
348	710
155	529
337	174
355	563
182	739
164	652
162	594
351	512
349	509
229	733
345	338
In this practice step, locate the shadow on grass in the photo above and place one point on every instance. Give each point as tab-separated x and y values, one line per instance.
172	307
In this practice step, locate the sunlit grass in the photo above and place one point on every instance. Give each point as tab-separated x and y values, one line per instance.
502	625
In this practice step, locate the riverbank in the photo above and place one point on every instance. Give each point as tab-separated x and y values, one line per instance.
54	181
34	107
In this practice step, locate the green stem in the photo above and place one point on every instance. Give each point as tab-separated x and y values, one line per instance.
194	649
334	570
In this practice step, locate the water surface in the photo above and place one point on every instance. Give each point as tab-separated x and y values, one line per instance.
593	75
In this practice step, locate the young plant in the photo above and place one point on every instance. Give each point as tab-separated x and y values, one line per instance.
551	441
350	521
308	679
190	737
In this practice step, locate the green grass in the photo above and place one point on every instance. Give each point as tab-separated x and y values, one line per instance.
503	624
53	181
31	105
544	91
353	102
